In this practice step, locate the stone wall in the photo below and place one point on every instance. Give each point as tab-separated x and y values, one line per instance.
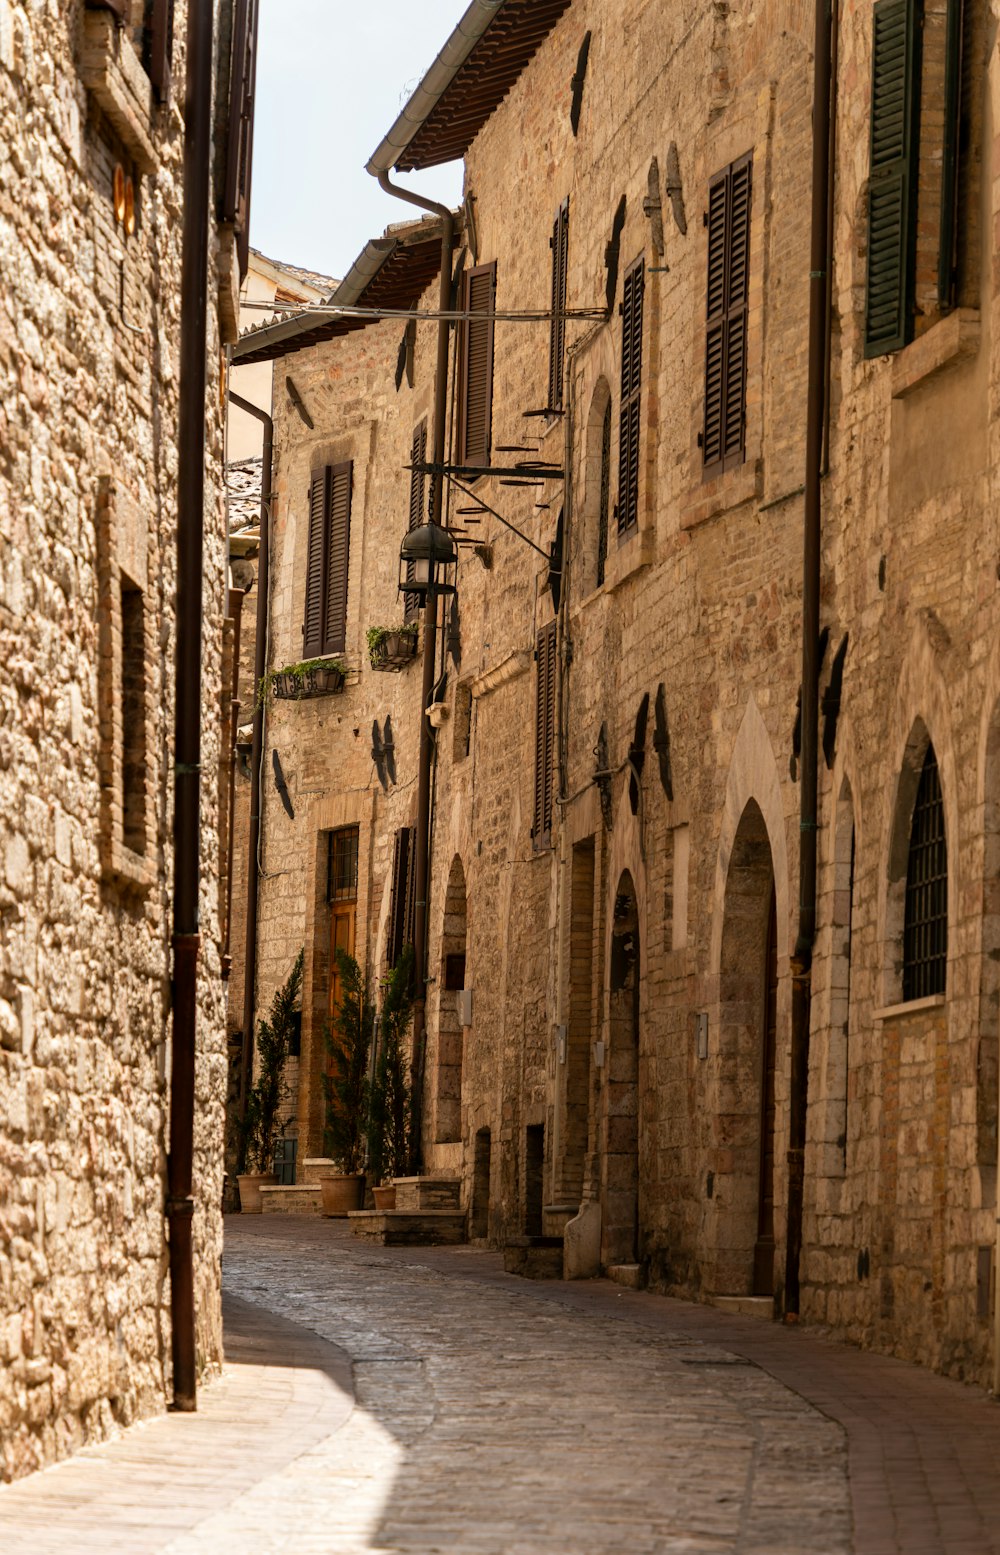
89	344
699	611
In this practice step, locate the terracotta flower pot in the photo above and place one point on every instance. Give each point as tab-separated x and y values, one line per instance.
342	1194
250	1186
385	1197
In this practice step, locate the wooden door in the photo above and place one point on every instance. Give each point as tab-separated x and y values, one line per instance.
763	1254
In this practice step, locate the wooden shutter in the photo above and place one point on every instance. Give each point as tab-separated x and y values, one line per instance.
557	325
402	893
338	552
892	189
418	487
159	45
324	629
242	91
545	730
730	199
312	629
631	398
476	402
957	57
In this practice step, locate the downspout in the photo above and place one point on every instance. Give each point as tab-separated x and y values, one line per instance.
187	696
236	598
426	756
809	778
256	755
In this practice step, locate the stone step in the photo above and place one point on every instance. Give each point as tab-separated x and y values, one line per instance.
408	1228
420	1193
745	1306
305	1198
534	1257
627	1274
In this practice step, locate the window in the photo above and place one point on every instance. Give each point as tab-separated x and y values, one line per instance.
475	420
630	419
342	865
126	690
402	897
159	44
922	213
729	201
557	324
418	485
545	730
925	930
462	737
325	628
604	508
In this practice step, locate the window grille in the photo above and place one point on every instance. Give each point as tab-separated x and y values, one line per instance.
342	874
925	930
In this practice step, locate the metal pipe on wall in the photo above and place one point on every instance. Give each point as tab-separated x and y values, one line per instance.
236	598
187	706
257	748
426	754
819	302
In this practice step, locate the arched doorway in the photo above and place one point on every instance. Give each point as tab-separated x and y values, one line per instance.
620	1209
744	1182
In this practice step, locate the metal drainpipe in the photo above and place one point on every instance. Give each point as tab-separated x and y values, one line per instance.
187	709
236	598
422	881
259	671
809	778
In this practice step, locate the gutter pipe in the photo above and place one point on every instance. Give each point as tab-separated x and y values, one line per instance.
477	20
257	751
809	778
187	697
236	598
426	756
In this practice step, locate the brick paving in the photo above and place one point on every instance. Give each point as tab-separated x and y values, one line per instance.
420	1400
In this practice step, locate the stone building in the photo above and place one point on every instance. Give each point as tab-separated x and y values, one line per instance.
615	842
91	220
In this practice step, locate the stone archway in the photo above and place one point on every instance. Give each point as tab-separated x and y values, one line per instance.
620	1176
743	1182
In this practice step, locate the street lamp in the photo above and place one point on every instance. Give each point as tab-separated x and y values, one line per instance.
423	556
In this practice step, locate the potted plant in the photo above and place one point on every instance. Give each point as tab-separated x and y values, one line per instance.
392	647
260	1129
390	1103
309	678
348	1042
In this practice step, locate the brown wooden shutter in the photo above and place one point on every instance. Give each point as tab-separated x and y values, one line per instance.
402	893
242	92
892	187
557	325
312	629
476	402
545	729
418	488
631	398
338	553
729	204
159	45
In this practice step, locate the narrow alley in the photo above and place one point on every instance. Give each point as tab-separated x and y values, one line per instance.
379	1399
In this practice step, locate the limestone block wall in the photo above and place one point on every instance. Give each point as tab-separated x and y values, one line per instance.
88	436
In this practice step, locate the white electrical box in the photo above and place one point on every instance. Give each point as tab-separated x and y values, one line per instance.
598	1055
561	1043
463	1004
702	1036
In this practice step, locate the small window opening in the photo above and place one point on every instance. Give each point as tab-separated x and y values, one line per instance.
133	715
342	875
925	930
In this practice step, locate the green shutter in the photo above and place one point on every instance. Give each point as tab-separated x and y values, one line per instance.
892	191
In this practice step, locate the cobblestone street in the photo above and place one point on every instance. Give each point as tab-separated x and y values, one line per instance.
422	1400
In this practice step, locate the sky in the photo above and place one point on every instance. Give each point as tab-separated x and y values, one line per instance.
332	76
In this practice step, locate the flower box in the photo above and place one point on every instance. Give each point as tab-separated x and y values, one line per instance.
301	682
392	650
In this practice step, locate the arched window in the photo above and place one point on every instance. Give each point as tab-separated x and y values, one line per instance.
925	926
